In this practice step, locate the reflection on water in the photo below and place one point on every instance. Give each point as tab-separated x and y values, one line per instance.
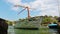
53	31
11	30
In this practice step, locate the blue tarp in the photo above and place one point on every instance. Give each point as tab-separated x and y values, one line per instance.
52	24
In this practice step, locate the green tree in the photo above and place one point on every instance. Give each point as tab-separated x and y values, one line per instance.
47	20
9	22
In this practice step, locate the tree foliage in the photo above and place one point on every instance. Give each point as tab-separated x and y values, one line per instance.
47	20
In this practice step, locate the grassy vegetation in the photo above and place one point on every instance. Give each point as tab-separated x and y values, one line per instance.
40	31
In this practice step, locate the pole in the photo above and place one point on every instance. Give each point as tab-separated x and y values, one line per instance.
28	13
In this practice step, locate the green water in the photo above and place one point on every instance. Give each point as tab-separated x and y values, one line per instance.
45	30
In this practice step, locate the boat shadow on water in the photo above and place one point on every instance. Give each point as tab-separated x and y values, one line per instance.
27	28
